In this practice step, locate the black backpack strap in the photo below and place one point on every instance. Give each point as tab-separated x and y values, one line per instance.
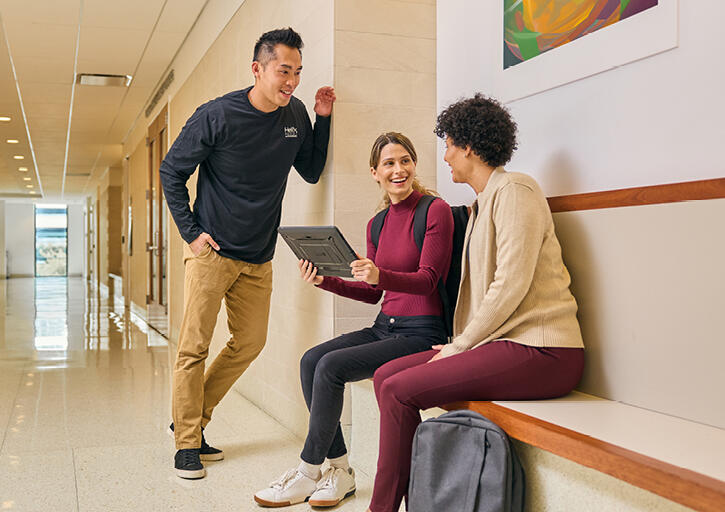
420	220
420	224
377	226
447	309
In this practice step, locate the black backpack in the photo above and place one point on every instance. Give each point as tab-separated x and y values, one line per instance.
464	462
448	290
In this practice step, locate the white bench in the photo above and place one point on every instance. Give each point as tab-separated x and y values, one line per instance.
677	459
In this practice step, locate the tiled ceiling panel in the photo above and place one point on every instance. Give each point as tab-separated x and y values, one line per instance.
41	40
129	14
181	17
110	51
45	70
35	93
57	12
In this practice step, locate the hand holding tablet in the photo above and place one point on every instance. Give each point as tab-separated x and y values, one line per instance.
308	273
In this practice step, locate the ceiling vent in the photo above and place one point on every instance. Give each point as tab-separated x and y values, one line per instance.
104	80
162	89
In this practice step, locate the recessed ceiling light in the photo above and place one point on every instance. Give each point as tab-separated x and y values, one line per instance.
5	119
23	169
12	141
28	186
26	179
104	80
19	157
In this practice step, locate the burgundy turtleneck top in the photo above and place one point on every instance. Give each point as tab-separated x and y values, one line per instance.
408	276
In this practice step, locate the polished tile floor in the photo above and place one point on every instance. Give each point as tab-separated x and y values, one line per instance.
84	407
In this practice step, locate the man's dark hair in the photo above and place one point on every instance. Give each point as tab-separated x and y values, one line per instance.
264	48
482	123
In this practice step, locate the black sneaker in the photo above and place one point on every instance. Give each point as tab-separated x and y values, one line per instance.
188	465
206	452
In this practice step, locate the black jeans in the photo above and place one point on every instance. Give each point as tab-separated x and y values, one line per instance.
355	356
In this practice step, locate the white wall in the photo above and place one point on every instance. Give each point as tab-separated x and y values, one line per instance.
76	240
658	120
19	238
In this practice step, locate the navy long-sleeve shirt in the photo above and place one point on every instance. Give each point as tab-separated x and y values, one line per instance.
244	158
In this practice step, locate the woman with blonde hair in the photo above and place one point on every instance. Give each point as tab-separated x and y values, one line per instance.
410	321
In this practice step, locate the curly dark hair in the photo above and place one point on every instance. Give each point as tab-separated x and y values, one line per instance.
264	48
482	123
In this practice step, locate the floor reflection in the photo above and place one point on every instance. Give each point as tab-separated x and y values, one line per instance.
51	313
67	353
52	322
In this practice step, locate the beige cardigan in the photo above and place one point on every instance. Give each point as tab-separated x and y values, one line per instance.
514	285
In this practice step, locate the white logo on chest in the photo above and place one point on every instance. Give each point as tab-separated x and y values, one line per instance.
290	131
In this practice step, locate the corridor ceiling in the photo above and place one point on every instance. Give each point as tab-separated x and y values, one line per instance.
68	134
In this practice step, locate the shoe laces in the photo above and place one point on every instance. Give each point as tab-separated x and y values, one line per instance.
189	457
328	479
285	480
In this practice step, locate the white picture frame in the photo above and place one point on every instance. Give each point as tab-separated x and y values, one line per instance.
647	33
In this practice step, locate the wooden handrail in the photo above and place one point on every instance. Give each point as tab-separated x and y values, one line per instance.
677	484
640	196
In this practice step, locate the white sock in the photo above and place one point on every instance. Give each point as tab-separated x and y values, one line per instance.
311	471
340	462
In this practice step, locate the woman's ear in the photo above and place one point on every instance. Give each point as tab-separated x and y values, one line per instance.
467	151
374	174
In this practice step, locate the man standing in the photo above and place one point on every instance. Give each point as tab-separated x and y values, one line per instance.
244	144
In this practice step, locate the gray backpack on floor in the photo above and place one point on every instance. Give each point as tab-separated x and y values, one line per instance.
463	462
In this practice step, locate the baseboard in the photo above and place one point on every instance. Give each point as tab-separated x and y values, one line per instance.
139	311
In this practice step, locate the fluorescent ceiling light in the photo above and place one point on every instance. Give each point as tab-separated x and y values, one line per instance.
5	119
28	186
104	80
26	179
12	141
19	157
23	169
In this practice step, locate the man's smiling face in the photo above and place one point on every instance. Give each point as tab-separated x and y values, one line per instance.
278	78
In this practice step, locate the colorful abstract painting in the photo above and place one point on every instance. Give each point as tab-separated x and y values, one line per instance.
532	27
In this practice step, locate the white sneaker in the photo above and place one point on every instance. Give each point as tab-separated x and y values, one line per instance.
292	487
335	485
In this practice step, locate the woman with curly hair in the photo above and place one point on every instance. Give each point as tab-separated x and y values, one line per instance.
516	336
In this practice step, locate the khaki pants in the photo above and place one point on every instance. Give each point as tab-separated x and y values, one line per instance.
246	288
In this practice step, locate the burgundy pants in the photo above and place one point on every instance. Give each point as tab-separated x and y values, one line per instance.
500	370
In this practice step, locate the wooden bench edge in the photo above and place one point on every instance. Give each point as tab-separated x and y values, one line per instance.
683	486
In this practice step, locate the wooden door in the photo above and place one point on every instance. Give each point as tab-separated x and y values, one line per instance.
157	241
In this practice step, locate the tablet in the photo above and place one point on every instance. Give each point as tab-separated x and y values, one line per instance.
324	246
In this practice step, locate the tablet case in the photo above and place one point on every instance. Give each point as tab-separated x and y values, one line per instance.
324	246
